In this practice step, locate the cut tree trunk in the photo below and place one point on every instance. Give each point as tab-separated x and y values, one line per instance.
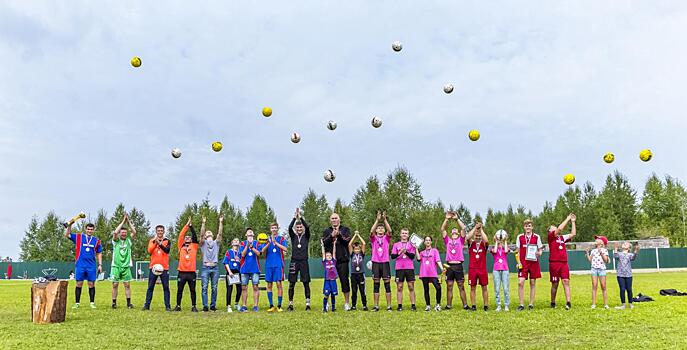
49	302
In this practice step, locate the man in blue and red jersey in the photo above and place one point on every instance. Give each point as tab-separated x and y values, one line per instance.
274	265
250	269
87	249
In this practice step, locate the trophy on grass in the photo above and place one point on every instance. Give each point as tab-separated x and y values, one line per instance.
76	218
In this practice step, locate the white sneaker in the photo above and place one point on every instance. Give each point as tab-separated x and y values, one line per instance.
229	310
437	308
621	307
428	308
593	306
506	308
632	306
347	307
498	308
606	307
237	307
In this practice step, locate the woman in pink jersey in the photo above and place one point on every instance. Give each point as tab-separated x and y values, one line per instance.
429	259
500	252
454	258
380	237
404	254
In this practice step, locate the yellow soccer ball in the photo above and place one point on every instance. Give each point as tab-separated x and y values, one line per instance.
266	112
645	155
136	61
216	146
473	135
569	179
609	157
262	238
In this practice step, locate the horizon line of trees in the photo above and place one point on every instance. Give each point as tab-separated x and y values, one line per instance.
615	211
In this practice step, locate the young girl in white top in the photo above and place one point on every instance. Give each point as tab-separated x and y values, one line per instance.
598	257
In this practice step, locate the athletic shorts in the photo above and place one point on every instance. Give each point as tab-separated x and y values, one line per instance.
530	270
558	270
405	275
478	277
297	267
598	272
81	274
330	288
250	277
381	270
455	272
274	274
120	274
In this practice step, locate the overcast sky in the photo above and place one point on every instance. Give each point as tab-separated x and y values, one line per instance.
551	86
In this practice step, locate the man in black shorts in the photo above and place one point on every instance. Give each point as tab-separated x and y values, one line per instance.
299	232
343	235
454	257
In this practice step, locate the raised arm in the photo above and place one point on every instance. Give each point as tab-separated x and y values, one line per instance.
445	223
561	227
68	230
119	227
220	229
202	231
132	228
573	230
374	226
322	245
386	224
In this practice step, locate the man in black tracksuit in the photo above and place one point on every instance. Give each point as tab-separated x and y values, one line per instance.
299	232
343	235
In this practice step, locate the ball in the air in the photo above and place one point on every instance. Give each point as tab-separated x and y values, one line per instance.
376	122
176	153
331	125
216	146
448	88
266	112
136	61
262	238
329	175
473	135
609	157
501	235
645	155
569	179
397	46
295	137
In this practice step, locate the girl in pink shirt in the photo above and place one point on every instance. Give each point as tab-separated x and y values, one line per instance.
500	252
429	259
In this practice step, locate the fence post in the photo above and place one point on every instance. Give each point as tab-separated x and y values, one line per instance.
658	263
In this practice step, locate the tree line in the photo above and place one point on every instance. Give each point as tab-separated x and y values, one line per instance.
616	210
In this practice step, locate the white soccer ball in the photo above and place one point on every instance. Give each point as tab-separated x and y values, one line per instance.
295	137
397	46
176	153
331	125
158	269
448	88
376	122
329	175
369	265
501	235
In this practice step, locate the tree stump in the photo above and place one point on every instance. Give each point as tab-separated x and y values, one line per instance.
49	302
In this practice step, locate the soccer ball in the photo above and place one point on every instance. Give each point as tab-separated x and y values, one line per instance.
645	155
609	157
176	153
376	122
158	269
331	125
569	179
295	137
329	175
473	135
216	146
369	265
262	238
448	88
136	61
266	112
501	235
397	46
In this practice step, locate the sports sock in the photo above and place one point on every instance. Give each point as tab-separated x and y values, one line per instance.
114	301
91	294
128	301
333	302
324	303
269	298
279	300
77	294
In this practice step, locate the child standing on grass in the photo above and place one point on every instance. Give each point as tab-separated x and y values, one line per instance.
500	252
330	276
598	257
623	268
357	252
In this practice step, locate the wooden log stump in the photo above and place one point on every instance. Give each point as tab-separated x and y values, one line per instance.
49	302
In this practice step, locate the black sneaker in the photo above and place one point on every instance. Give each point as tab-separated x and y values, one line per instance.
205	309
130	306
486	307
212	308
521	308
553	305
365	308
307	307
448	307
568	306
466	307
290	308
388	308
375	309
178	308
473	308
333	309
400	308
146	308
353	308
413	308
169	309
193	309
530	307
114	306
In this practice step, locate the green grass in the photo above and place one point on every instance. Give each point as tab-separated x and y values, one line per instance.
658	324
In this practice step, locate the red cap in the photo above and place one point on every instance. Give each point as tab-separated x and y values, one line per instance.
602	238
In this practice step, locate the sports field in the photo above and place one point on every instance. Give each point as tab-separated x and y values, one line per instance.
654	325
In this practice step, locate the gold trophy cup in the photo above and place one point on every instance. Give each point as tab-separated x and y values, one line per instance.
76	218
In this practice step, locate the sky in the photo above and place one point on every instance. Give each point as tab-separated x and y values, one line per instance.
551	86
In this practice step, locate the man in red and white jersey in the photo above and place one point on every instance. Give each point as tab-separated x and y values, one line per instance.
558	259
529	249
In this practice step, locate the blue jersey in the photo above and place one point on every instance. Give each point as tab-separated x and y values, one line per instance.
233	259
275	256
86	249
251	262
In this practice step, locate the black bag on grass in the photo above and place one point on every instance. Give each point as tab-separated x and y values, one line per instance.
671	292
642	298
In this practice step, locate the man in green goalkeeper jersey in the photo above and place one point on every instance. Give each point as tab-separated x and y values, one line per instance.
121	260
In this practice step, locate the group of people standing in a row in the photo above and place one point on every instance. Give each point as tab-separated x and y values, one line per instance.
343	256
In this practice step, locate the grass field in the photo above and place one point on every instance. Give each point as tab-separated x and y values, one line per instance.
659	324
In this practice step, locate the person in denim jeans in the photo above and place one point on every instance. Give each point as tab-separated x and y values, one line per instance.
500	252
623	269
209	271
598	257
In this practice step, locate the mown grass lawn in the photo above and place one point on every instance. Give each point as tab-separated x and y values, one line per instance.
659	324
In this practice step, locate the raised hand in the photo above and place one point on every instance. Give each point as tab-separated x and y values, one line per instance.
384	214
379	215
189	221
449	215
203	219
573	217
221	218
